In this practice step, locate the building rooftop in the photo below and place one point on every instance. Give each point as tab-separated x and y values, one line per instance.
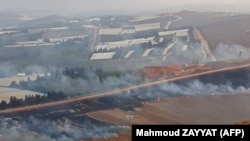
110	31
146	53
102	56
129	54
181	32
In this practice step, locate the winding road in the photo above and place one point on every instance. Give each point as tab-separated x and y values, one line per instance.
204	44
178	18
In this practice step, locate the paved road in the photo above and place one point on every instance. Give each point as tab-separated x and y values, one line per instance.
116	92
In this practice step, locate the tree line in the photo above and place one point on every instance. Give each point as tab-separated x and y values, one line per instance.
31	100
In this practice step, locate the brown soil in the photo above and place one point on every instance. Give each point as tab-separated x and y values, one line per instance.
243	123
152	73
156	72
209	109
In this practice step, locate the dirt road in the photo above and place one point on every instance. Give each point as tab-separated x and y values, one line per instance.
204	43
178	18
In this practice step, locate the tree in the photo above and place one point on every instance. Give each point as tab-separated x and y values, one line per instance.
3	104
46	40
14	102
13	84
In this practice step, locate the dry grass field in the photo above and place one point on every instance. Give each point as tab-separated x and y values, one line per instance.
6	93
209	109
5	82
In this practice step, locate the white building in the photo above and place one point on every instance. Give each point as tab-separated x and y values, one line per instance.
102	56
20	74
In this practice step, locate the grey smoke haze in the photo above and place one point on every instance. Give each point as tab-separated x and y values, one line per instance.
196	87
34	129
72	86
80	6
46	130
225	51
7	69
189	56
82	86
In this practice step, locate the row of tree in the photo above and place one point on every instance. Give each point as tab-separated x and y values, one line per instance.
31	100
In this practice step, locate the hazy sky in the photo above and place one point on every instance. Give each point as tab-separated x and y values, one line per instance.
78	6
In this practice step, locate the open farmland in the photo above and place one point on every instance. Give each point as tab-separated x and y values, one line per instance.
96	61
161	18
132	29
208	109
5	82
142	18
143	106
238	25
218	27
6	93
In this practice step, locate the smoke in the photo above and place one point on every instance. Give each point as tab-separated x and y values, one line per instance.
33	128
63	130
7	69
193	54
225	51
75	86
34	69
196	87
70	86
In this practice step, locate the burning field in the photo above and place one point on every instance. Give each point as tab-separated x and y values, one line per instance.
6	93
208	109
200	100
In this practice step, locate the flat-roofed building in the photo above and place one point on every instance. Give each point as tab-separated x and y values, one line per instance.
142	27
142	18
102	56
127	55
166	33
181	33
142	40
125	43
110	31
146	53
20	74
61	39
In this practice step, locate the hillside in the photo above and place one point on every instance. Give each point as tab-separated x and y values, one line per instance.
218	27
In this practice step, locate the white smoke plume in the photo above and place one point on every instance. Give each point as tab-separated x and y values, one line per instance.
234	51
7	69
47	130
196	87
